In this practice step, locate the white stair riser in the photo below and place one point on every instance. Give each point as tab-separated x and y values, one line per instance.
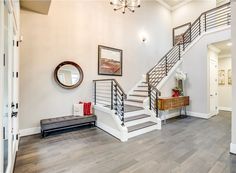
142	131
134	113
138	121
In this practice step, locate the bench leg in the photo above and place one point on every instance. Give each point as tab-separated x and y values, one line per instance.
93	124
43	134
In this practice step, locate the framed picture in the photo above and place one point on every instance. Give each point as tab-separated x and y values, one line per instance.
109	61
178	33
221	77
230	77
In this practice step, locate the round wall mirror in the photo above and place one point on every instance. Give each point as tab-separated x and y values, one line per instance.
68	75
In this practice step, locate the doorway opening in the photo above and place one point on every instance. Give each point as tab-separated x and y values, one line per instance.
220	70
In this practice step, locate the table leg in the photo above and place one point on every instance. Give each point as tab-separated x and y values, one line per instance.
164	118
185	111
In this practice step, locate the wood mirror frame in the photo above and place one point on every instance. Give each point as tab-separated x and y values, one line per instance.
68	86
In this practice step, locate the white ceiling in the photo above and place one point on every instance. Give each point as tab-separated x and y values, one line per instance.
173	4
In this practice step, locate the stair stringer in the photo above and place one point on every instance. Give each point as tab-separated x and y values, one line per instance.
108	121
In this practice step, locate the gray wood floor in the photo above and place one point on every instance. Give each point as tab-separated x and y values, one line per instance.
183	146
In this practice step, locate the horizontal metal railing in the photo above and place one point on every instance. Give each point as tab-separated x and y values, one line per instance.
109	93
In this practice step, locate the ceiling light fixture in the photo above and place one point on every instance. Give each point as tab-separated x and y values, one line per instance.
125	4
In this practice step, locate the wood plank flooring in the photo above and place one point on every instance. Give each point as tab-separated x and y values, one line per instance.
183	146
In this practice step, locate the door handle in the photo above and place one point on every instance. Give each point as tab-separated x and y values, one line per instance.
211	95
14	114
4	131
12	105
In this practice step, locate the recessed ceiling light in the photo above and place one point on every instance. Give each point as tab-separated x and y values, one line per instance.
229	44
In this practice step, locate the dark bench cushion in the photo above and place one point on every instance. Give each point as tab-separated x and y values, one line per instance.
59	122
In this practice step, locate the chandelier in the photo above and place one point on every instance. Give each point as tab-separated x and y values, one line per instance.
125	4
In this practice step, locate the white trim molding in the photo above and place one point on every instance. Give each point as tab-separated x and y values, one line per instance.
198	115
189	113
233	148
29	131
225	109
184	2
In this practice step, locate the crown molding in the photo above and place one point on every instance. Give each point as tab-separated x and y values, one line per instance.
163	3
181	4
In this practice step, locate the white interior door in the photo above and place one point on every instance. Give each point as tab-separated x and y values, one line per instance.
213	86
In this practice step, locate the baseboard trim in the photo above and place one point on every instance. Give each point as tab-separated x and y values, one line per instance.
233	148
29	131
109	130
225	109
169	115
198	115
192	114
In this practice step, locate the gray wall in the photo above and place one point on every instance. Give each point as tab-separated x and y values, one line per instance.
191	11
72	31
196	65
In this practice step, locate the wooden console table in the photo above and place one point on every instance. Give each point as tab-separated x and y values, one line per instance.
171	103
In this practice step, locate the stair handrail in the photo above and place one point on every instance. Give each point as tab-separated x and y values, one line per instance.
118	97
204	16
177	44
208	20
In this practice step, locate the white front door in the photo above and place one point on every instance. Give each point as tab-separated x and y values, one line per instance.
9	122
213	86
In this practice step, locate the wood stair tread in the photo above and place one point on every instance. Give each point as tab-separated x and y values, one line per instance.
132	100
137	117
130	108
140	126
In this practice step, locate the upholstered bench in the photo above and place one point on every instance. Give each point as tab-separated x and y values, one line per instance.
66	122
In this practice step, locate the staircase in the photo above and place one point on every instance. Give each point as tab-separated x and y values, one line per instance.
138	94
133	117
137	112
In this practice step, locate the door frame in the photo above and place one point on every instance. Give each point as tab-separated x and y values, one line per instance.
1	79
